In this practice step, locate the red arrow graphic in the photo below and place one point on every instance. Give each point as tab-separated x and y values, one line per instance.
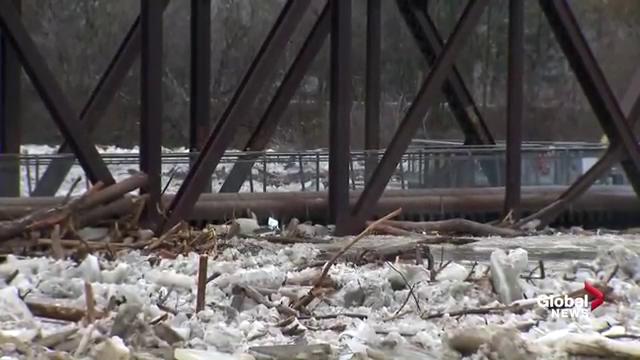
597	295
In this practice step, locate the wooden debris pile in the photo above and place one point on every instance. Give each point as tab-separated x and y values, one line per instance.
102	213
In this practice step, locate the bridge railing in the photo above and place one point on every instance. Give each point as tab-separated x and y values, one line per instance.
421	167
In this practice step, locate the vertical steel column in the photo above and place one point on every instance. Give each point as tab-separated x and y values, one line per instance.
373	74
515	95
269	122
10	129
199	125
151	109
262	67
96	106
419	108
340	114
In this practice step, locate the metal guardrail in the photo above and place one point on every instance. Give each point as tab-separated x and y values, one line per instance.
430	166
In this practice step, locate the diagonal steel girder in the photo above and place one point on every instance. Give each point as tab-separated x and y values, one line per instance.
594	84
615	152
424	100
269	122
52	95
459	98
461	103
96	106
261	69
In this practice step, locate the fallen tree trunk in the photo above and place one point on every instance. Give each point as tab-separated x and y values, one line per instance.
58	312
87	208
118	208
454	226
385	229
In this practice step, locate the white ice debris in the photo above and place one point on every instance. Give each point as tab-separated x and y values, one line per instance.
627	260
117	275
247	226
191	354
12	307
453	272
112	349
371	313
171	279
90	269
505	273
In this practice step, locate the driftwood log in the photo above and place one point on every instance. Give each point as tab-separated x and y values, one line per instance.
96	204
452	226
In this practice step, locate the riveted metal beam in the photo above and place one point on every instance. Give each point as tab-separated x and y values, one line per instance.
463	107
515	103
96	106
425	98
151	104
594	84
373	89
199	107
430	43
615	152
340	114
268	124
261	69
10	117
53	97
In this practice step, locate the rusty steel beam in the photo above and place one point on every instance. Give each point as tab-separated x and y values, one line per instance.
199	107
425	98
52	95
458	96
464	109
372	90
340	114
615	152
438	202
594	84
96	106
10	116
151	105
261	69
515	103
268	123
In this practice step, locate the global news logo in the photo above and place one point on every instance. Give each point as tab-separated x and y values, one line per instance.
573	307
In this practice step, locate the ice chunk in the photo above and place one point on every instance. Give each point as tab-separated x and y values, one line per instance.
90	269
112	349
453	272
12	308
172	279
117	275
505	273
247	226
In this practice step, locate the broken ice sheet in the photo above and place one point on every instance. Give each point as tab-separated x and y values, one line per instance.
505	273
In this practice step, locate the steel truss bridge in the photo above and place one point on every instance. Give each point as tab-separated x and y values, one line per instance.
346	208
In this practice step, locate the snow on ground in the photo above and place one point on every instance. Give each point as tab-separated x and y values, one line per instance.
374	291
